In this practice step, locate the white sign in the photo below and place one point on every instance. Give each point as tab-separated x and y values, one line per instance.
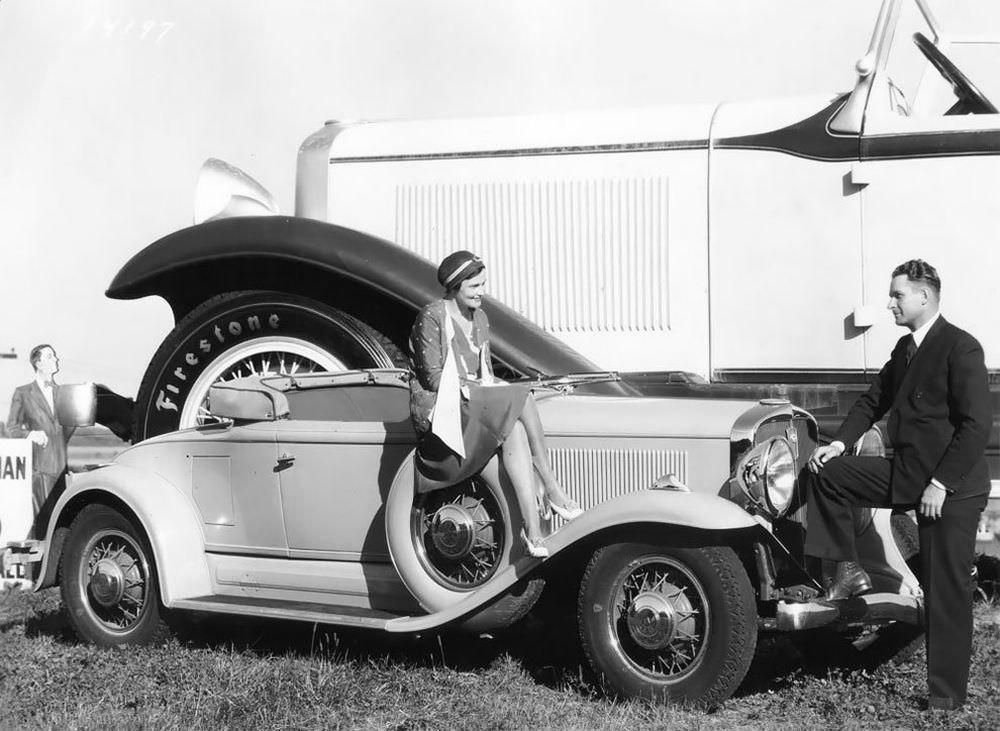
15	490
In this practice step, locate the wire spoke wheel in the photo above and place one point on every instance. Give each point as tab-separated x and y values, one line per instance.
272	357
661	618
668	623
459	534
115	577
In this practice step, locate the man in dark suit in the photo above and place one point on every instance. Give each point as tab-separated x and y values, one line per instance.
935	390
33	415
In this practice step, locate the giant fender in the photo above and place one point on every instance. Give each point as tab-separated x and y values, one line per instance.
216	253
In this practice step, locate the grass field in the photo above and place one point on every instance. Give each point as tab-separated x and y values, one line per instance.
224	673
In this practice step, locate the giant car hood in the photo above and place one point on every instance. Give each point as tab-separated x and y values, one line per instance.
678	126
625	416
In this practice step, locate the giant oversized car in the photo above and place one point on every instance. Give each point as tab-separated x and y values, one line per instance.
296	500
748	243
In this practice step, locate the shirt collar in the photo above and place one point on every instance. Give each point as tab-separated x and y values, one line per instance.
43	383
921	332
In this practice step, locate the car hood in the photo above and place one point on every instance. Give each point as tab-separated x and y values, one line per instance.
572	415
676	126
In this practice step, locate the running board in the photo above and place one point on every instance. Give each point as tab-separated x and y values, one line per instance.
344	616
867	609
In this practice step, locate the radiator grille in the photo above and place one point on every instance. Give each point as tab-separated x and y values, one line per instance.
571	255
591	476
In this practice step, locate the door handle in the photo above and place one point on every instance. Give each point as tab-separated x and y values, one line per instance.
285	460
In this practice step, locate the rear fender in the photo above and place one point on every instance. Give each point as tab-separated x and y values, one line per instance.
166	517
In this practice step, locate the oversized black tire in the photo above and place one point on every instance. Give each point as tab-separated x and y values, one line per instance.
668	624
449	543
108	581
249	333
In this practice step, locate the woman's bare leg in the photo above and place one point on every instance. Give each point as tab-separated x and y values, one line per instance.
516	455
536	440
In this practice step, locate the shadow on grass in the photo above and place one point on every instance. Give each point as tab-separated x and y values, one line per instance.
550	656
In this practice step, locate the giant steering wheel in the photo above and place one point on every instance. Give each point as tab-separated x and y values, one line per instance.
970	99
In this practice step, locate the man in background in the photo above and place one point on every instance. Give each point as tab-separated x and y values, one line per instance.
33	415
935	391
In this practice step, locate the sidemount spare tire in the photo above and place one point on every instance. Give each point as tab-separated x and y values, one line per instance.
249	333
448	543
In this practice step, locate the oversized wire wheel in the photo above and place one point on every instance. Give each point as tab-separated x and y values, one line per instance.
240	334
459	534
108	580
668	623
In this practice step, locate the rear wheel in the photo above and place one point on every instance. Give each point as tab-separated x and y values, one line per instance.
108	581
668	624
241	334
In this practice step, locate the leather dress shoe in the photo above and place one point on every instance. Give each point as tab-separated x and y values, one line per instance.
848	580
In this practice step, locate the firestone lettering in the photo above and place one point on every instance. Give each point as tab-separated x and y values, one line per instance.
232	328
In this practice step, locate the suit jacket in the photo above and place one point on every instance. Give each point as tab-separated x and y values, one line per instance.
29	411
939	414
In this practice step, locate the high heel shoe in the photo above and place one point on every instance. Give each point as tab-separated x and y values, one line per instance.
544	506
534	548
566	512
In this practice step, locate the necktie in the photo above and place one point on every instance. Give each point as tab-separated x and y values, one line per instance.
911	349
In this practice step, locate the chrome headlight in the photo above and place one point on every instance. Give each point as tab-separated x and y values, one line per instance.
767	475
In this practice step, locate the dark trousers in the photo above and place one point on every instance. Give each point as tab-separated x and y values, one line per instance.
947	552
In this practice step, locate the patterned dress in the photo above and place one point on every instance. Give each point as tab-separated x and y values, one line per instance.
489	412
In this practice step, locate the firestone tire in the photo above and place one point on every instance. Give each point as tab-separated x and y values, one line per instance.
108	581
668	624
449	543
249	333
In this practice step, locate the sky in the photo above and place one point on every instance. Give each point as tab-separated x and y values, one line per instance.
108	108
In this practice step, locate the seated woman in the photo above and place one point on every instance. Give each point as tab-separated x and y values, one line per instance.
450	346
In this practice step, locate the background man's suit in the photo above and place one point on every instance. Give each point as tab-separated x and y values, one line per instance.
30	411
939	422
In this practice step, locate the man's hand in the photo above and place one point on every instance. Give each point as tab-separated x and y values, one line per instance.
38	437
931	501
822	455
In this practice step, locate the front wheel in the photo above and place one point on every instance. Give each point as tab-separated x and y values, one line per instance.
108	581
668	624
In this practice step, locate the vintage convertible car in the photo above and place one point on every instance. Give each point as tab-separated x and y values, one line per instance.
296	500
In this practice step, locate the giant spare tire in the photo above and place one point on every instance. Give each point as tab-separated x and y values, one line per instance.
241	334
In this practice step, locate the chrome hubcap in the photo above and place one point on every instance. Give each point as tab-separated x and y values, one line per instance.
116	579
458	534
652	620
453	531
107	583
660	620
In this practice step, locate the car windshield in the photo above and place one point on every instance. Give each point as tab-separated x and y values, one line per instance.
966	32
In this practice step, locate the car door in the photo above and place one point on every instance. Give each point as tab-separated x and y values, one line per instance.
931	176
235	488
335	470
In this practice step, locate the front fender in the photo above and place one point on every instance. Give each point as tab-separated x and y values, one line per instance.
195	263
167	517
669	508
